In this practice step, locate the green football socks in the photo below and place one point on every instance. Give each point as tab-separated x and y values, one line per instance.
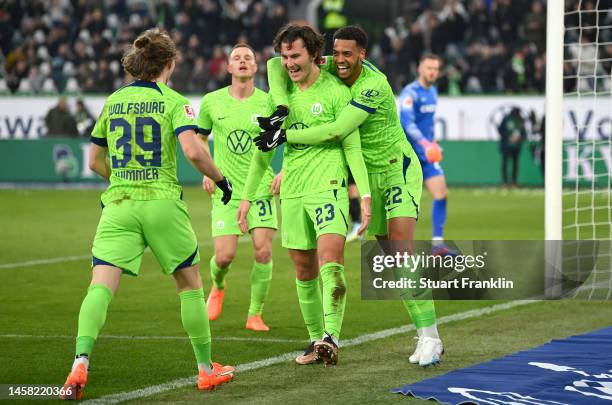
261	276
309	296
334	297
195	321
218	274
92	317
422	312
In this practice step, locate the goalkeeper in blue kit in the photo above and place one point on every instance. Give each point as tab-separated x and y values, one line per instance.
418	102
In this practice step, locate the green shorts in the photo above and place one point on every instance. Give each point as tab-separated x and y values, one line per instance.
308	217
397	192
224	218
127	227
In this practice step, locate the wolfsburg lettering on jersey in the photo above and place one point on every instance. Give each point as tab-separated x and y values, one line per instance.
137	175
145	107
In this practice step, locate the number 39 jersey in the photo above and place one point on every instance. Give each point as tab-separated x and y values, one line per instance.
139	124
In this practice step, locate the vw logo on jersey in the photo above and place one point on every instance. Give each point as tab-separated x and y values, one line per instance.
370	93
299	125
239	141
316	109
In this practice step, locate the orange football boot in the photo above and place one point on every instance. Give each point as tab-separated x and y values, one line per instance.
75	383
257	324
220	375
215	303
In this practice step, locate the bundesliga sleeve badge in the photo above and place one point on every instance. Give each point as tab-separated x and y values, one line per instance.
189	112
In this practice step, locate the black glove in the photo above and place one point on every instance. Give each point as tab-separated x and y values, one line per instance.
225	186
268	140
274	121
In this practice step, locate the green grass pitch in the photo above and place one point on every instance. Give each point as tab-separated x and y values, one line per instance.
40	303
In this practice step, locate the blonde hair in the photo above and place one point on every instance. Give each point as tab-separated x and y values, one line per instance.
150	53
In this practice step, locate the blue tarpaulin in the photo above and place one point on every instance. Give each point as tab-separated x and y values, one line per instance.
576	370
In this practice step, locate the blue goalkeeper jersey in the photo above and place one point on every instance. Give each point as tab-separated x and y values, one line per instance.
417	111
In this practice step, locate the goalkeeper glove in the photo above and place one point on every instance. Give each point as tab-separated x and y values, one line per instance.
433	153
225	186
274	121
268	140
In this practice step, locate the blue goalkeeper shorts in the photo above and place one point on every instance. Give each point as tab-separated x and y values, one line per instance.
431	169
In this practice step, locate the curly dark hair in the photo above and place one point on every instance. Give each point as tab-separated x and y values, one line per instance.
313	41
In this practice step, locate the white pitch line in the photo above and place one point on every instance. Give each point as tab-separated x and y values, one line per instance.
64	259
127	337
187	381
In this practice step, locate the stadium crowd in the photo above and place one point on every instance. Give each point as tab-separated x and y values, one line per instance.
489	46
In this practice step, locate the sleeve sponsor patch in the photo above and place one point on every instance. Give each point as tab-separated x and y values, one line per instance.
189	112
408	102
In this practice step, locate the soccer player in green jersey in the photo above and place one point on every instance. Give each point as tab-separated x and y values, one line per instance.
395	174
139	129
230	113
314	199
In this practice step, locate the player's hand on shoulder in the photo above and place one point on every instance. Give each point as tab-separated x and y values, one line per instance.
226	187
274	121
270	139
208	185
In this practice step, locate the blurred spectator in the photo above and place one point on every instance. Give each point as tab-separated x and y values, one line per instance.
77	45
85	121
534	26
199	77
59	120
512	135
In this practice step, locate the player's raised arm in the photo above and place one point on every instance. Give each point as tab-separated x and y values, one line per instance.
278	80
348	121
200	158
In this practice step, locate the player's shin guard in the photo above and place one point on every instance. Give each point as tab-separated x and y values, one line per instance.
438	218
217	274
92	317
261	276
334	297
195	322
309	296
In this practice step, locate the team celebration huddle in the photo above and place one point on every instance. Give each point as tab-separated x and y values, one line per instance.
338	118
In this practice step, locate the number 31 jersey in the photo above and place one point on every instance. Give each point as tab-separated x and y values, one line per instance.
139	124
234	125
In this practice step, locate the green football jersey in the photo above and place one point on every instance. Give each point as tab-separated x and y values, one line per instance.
315	168
382	130
234	125
139	124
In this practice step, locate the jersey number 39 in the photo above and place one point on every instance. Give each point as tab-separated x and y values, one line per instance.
125	142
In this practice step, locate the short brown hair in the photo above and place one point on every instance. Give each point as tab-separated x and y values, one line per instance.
313	41
429	55
241	45
150	53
